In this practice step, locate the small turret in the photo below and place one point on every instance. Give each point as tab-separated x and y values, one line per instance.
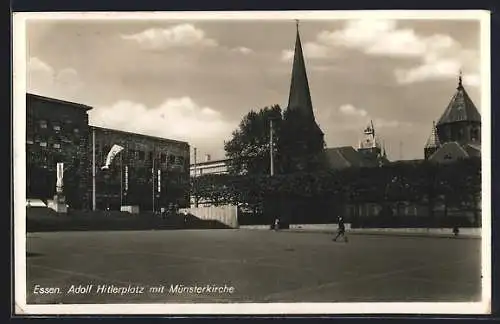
433	143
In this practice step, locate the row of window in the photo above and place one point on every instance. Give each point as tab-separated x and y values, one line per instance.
56	127
143	156
460	134
44	144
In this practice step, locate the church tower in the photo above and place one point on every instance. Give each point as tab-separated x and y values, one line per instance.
433	143
303	141
370	144
461	121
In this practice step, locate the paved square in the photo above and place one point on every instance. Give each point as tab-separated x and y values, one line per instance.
261	266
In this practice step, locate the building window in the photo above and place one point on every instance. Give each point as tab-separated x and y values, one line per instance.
43	124
57	145
43	144
29	141
171	159
163	158
142	155
474	134
150	155
57	128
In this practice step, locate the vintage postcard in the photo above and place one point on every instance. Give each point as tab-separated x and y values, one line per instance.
307	162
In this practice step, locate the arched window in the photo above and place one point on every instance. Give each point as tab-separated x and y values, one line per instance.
474	134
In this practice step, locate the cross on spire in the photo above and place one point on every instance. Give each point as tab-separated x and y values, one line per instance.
460	79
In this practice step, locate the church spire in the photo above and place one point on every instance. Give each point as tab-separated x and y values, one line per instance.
460	86
300	97
460	108
433	140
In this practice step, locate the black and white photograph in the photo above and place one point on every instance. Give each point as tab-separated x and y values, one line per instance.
307	162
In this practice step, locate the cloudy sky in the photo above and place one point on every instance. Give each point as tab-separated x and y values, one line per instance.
195	80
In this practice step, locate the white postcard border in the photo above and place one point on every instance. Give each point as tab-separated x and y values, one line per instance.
19	171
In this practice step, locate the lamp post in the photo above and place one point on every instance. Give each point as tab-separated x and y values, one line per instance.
271	144
194	180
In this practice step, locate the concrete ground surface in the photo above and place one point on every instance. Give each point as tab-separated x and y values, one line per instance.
260	266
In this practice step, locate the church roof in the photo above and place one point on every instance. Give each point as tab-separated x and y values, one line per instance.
300	96
460	108
453	151
473	150
346	156
433	140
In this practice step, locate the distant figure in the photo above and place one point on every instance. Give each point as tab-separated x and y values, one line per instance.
185	217
341	230
163	213
456	230
276	224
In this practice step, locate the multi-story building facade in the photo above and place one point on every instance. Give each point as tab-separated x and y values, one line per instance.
149	171
209	166
56	131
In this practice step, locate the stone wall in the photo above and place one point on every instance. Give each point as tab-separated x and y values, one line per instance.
227	215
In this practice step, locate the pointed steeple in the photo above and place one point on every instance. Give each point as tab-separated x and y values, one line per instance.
300	97
433	140
461	108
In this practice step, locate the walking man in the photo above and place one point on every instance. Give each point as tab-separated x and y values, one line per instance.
341	230
276	224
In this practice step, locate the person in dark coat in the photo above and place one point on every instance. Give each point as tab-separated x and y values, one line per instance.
341	230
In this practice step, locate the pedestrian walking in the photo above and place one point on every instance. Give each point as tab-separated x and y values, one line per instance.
341	230
276	224
185	218
456	230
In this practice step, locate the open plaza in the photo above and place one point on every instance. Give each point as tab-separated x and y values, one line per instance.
254	266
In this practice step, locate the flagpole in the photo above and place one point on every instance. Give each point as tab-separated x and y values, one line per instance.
121	180
93	171
153	179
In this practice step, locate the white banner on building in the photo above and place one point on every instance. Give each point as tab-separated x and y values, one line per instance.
126	178
159	180
111	155
60	175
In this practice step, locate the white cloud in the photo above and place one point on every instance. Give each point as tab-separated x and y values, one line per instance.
184	35
430	69
382	37
312	50
473	80
286	55
350	110
441	56
45	80
242	50
35	65
176	118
